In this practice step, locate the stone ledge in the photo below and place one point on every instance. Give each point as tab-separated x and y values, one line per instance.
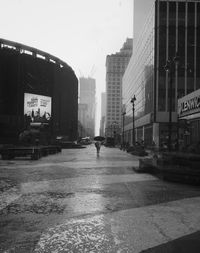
168	171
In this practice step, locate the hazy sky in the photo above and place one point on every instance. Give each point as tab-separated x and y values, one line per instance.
79	32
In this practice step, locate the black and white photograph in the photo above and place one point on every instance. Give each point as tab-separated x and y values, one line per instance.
99	126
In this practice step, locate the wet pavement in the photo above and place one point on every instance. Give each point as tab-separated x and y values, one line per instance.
76	201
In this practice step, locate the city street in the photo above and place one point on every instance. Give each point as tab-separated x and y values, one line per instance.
78	201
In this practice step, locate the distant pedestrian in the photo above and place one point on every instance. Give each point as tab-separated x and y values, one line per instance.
127	146
98	146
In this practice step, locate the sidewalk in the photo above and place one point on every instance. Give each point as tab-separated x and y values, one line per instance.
78	201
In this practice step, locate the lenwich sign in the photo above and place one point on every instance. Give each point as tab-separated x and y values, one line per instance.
189	104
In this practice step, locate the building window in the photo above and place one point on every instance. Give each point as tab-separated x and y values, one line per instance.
181	47
190	47
198	48
162	56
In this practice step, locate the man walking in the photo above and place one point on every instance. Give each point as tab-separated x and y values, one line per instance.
98	146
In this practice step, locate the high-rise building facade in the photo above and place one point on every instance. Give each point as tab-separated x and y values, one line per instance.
103	114
87	94
171	35
115	68
83	119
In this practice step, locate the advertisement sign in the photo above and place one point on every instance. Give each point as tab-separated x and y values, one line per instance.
189	104
37	108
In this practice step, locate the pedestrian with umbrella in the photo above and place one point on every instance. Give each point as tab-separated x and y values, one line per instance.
98	140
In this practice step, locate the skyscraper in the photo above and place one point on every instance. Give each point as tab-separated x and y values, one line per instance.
172	29
103	113
115	68
88	102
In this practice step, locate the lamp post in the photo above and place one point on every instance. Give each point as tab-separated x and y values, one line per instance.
123	116
133	134
169	67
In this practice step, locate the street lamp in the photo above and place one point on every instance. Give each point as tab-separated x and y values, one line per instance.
123	116
169	66
133	134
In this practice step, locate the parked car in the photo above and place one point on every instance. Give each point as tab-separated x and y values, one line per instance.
65	143
85	141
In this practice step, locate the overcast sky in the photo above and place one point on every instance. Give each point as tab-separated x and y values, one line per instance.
79	32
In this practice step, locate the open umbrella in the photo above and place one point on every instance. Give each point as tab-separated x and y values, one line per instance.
99	138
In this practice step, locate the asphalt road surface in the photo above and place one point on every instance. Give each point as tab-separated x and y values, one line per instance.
77	201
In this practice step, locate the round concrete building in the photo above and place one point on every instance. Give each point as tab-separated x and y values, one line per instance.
37	91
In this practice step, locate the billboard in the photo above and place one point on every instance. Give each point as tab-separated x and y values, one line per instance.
37	108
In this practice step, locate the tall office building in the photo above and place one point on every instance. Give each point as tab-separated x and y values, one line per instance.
154	76
87	103
83	119
141	10
103	114
115	68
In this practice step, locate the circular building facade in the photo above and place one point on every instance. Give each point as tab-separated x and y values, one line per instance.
38	92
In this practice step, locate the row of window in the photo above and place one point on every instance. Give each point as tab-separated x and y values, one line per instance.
113	78
112	118
113	111
116	109
113	74
113	105
117	60
114	101
114	96
115	67
115	86
110	93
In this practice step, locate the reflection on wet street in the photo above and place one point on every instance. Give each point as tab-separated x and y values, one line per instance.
77	201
